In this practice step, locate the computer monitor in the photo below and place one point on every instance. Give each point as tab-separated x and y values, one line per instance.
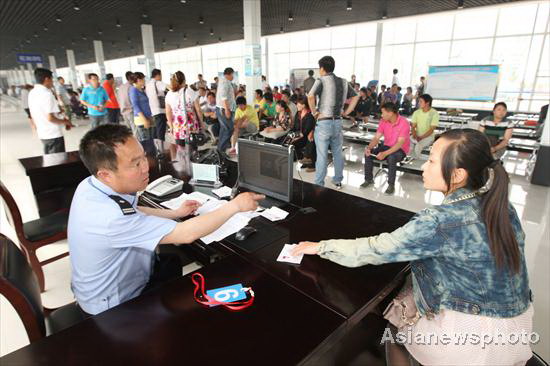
266	168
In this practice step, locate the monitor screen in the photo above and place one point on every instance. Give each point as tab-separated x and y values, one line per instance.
266	168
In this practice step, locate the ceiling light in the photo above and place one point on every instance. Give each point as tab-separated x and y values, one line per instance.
348	7
171	28
99	31
184	37
163	41
282	30
129	40
384	15
201	20
75	6
35	35
28	40
57	18
84	37
197	43
327	24
290	17
118	25
211	31
460	4
183	1
219	39
144	14
45	27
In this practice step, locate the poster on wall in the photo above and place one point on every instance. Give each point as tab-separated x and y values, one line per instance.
253	60
476	83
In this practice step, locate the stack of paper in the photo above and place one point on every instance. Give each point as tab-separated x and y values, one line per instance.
209	204
274	214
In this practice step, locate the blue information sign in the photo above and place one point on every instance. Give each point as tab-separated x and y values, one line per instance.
26	58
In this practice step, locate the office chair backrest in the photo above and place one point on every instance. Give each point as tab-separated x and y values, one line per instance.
12	211
18	283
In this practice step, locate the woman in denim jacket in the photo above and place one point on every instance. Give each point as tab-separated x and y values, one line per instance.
468	270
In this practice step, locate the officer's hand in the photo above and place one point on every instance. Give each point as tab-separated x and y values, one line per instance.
248	201
188	208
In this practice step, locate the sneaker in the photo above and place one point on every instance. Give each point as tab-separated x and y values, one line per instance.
311	169
337	185
366	183
390	189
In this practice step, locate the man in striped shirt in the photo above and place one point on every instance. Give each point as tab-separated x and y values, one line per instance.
332	93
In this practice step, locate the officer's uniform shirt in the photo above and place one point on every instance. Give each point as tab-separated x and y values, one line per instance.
111	247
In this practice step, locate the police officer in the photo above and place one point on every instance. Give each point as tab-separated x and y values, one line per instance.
111	239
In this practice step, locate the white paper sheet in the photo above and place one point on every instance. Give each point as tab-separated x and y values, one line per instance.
274	214
222	192
286	256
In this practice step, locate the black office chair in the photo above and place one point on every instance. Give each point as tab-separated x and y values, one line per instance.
19	285
33	235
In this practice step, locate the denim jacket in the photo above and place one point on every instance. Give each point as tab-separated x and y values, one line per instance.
451	261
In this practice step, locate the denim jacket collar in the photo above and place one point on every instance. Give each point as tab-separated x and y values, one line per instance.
457	194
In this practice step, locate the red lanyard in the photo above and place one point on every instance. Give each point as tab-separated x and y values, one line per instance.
202	298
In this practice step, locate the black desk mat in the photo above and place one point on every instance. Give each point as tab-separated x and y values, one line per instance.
267	233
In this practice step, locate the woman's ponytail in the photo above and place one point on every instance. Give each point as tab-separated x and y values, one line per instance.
496	216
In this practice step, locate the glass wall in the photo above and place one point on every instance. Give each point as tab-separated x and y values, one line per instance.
514	36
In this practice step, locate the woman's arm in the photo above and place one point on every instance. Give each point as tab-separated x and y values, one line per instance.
417	239
504	143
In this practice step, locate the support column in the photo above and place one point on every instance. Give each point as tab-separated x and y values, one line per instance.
72	69
39	64
378	51
30	74
23	76
100	58
148	48
253	48
53	66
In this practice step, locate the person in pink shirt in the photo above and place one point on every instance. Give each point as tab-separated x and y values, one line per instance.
397	143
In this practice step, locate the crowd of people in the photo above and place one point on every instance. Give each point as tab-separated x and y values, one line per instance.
308	116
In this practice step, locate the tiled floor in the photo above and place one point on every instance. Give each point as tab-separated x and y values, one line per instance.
532	203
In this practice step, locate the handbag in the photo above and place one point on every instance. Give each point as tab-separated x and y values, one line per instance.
402	310
161	98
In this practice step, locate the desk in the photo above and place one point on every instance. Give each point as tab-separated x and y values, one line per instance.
54	178
167	327
299	314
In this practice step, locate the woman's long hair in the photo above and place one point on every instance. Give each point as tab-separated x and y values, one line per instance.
470	150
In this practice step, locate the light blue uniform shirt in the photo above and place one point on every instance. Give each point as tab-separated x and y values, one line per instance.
111	253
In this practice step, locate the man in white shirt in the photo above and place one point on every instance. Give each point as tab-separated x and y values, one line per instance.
45	113
156	92
201	83
395	79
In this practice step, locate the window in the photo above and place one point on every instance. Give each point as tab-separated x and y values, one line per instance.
366	34
475	51
429	54
343	36
516	19
434	28
475	23
399	31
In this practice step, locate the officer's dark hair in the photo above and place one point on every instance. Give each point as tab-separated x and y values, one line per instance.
286	92
240	101
228	71
390	107
97	147
327	63
268	97
129	75
210	94
109	77
91	75
259	92
310	73
41	75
